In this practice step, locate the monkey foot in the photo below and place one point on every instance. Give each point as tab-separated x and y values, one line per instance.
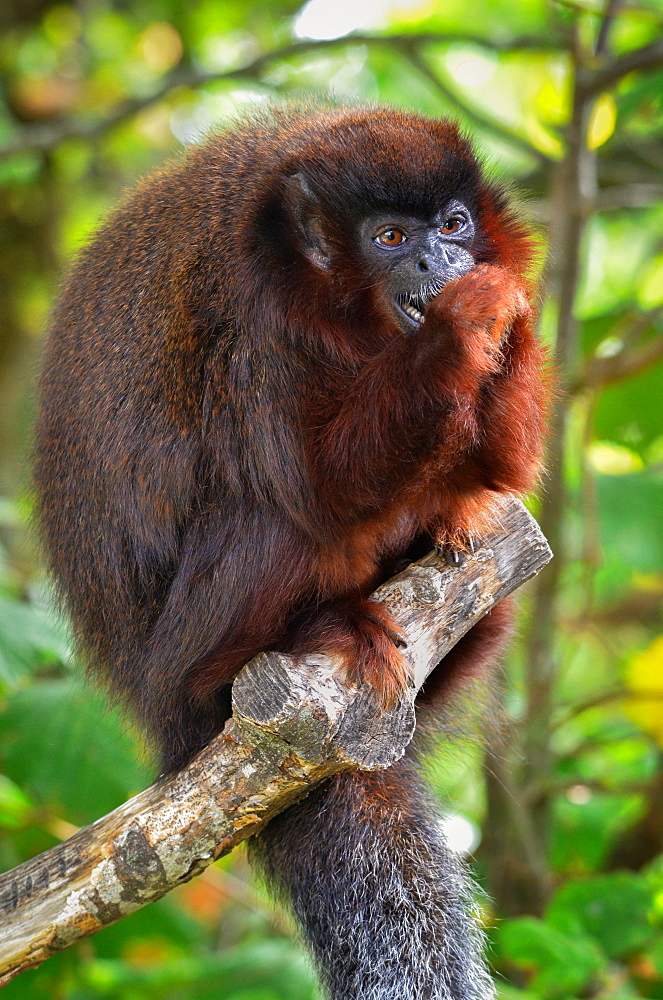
376	660
363	633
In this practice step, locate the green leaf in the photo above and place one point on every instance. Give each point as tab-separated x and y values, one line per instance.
624	414
64	747
30	637
15	806
561	964
613	909
583	834
630	520
269	970
650	293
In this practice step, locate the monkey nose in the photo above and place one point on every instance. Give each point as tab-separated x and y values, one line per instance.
423	264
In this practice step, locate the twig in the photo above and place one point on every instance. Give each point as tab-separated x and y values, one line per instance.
605	698
646	13
619	196
599	372
557	787
607	21
648	57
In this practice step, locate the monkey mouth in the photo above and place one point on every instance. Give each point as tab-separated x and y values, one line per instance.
413	304
412	307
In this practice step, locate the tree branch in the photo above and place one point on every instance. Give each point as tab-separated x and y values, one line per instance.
599	372
637	195
295	722
574	186
44	137
607	21
648	57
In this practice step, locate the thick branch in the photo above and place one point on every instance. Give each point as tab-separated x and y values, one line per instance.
573	188
295	722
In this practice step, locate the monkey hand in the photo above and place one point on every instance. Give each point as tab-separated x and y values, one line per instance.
480	308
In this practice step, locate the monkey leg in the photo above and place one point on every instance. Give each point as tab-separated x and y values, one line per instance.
383	904
364	634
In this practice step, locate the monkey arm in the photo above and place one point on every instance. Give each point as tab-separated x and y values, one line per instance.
420	398
513	414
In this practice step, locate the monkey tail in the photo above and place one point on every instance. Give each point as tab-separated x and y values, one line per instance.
383	905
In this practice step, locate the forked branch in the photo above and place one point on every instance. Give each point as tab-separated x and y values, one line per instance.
295	722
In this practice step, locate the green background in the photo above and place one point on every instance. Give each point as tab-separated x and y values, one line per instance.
564	815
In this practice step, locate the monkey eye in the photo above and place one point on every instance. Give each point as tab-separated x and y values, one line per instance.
390	238
452	225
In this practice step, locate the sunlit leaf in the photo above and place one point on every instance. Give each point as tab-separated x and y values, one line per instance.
644	676
161	46
15	806
650	292
602	121
553	101
613	459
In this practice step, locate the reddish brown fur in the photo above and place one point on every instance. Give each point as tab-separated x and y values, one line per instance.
233	446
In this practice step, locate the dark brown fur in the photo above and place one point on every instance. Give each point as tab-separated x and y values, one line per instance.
233	446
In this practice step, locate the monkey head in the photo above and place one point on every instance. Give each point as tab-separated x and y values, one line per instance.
381	227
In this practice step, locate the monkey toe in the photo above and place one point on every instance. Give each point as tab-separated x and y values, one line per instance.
451	554
456	555
452	557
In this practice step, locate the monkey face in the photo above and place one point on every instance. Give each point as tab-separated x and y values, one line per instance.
408	257
414	258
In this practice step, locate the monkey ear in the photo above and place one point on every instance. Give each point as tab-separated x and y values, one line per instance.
304	208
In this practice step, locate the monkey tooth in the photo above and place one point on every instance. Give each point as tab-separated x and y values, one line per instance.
412	313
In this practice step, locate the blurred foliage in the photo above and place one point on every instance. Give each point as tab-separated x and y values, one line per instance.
94	94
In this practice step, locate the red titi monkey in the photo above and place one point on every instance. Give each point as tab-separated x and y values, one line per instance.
299	353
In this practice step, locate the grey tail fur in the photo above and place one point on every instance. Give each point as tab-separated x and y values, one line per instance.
384	906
